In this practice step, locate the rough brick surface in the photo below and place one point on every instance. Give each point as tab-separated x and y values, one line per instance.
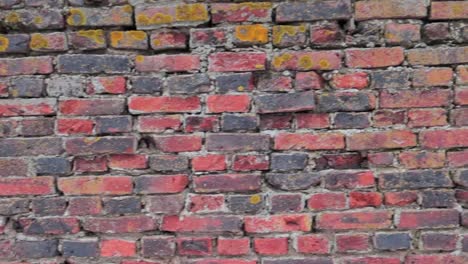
233	132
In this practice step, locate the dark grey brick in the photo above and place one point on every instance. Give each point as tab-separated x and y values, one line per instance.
33	19
461	178
282	203
232	123
245	203
351	120
299	260
313	10
168	163
157	247
189	84
395	241
27	87
113	124
52	165
438	199
287	102
30	146
236	82
37	127
293	181
125	205
288	162
415	180
389	79
49	206
345	102
237	142
71	86
165	204
93	64
80	249
14	206
37	249
146	85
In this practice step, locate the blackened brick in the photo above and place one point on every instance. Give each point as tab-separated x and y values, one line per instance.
158	246
82	248
438	198
37	249
168	163
235	82
245	203
52	166
146	85
351	120
232	123
114	124
392	241
125	205
27	87
49	206
415	180
93	64
237	142
293	181
189	84
288	162
290	102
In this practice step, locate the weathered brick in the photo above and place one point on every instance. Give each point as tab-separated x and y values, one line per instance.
290	102
392	241
438	199
157	246
461	178
146	85
206	203
438	56
13	167
24	66
100	17
241	12
374	9
237	61
277	223
328	34
150	17
293	180
312	120
351	120
336	180
237	142
118	248
128	161
402	198
48	42
169	163
50	226
250	162
448	10
432	77
85	206
80	248
256	34
345	102
245	204
37	249
26	186
313	244
421	160
100	145
92	64
168	40
300	260
203	224
161	183
107	85
288	162
461	96
75	126
377	219
189	84
442	218
178	143
413	99
436	32
132	39
402	34
356	80
235	82
227	183
444	138
274	82
27	87
439	241
380	159
195	246
167	63
462	74
231	123
117	225
113	124
352	242
284	203
457	158
388	79
30	146
326	201
308	80
14	43
310	11
284	36
201	124
33	19
49	206
427	117
386	139
374	58
365	199
88	39
165	204
321	141
168	104
415	179
71	86
122	205
52	166
306	60
88	185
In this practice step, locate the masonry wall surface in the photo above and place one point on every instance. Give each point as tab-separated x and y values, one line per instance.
231	132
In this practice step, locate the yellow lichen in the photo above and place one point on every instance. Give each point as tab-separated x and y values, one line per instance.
252	33
457	9
259	66
91	140
116	37
96	35
251	6
139	58
279	60
158	18
191	12
280	31
156	42
240	88
13	17
255	199
38	20
324	64
305	62
127	8
38	42
76	18
4	43
137	35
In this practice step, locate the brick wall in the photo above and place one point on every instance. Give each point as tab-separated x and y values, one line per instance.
230	132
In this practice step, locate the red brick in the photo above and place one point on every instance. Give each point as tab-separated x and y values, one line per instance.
312	120
365	199
75	126
448	10
50	226
313	244
224	261
327	201
201	124
206	203
27	186
208	37
437	258
161	183
322	141
380	159
306	60
167	63
195	246
374	58
228	103
356	80
201	224
377	219
308	80
90	164
107	85
163	104
27	107
121	224
227	183
435	139
118	248
159	123
352	242
237	61
461	96
326	34
375	9
168	39
382	139
372	260
457	158
422	159
273	246
28	66
212	162
250	162
92	107
109	185
233	246
460	116
462	74
442	218
278	223
85	206
428	77
275	121
241	12
427	117
403	198
385	118
178	143
337	180
128	161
